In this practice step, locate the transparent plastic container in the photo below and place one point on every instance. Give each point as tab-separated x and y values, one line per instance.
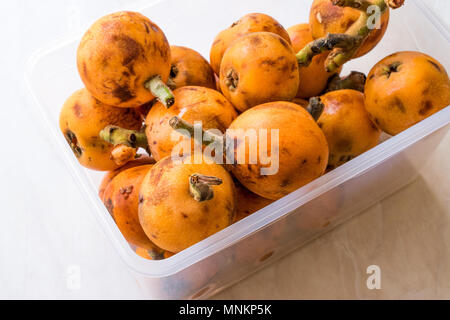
284	226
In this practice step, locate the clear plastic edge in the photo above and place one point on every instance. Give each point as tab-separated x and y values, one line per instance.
257	221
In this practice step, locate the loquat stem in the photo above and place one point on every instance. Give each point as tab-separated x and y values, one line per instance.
339	56
315	107
156	254
355	80
345	41
161	91
179	124
200	186
120	136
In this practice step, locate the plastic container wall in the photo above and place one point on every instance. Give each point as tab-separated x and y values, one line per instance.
251	244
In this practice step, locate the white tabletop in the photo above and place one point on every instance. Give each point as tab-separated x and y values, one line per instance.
50	241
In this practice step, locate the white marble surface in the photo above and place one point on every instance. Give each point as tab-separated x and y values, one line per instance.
47	232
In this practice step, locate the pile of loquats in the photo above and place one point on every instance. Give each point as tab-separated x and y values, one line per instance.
143	96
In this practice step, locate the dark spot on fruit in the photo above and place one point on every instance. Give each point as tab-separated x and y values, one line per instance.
77	110
255	40
285	183
85	71
229	206
434	64
427	106
373	126
319	159
371	76
268	62
399	105
146	28
109	206
286	67
129	47
344	145
284	43
141	199
123	93
154	236
189	88
286	151
294	67
131	70
220	102
185	216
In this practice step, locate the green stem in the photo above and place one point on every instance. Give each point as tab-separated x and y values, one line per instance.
315	107
200	186
161	91
316	47
338	58
188	129
119	136
355	80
